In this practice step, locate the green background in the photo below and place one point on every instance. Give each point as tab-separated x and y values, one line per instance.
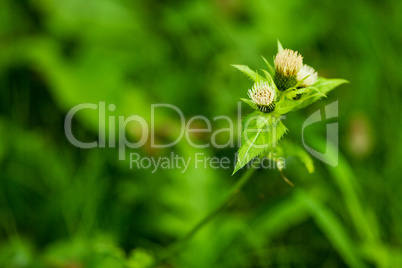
61	206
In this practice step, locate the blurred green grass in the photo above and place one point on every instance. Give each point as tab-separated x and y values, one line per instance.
66	207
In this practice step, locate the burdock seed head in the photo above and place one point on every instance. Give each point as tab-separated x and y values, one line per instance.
263	95
287	65
288	62
307	71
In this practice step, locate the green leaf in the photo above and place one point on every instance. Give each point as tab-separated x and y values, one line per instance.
247	71
292	149
268	77
280	47
271	69
323	86
260	132
326	85
258	78
292	93
249	102
309	95
288	149
285	106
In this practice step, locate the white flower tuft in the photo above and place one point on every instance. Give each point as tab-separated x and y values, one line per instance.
307	71
288	62
263	95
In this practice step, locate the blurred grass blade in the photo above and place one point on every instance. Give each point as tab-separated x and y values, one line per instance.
333	229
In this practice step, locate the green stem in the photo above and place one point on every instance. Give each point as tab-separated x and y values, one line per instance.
176	246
